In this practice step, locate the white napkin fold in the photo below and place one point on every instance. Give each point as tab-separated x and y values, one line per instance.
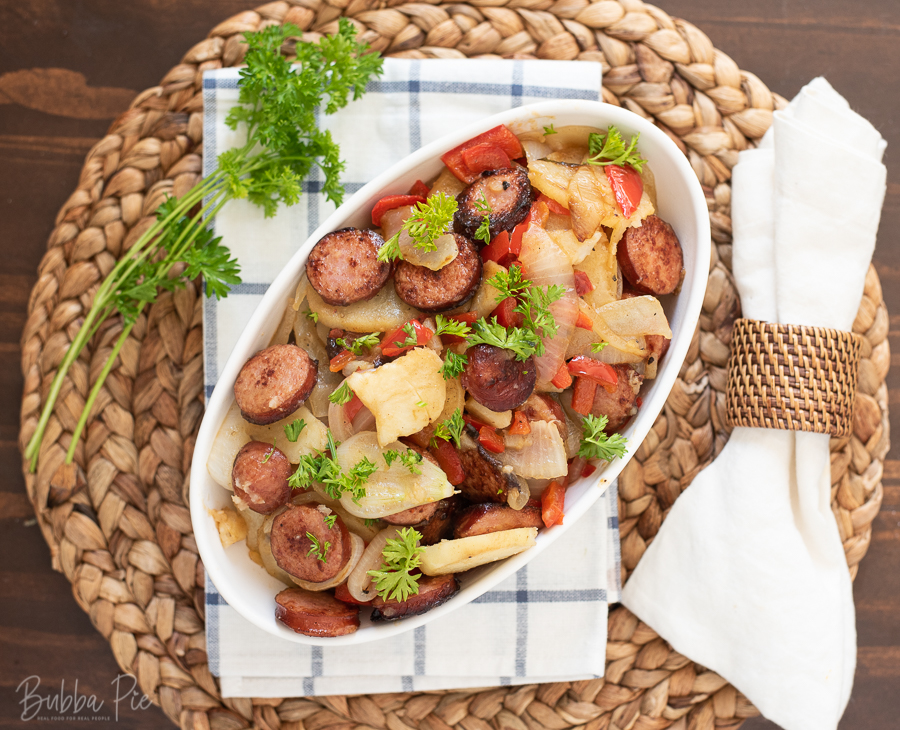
747	575
520	632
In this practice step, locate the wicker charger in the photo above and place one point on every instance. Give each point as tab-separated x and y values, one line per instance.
118	525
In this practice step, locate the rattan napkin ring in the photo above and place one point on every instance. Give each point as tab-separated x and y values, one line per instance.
791	377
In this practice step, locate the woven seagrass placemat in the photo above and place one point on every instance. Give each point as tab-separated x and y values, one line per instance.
118	526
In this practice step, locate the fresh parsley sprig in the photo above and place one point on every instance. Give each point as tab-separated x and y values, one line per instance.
293	429
430	221
341	395
521	342
454	365
451	429
596	443
401	555
356	346
484	229
611	149
447	326
324	469
279	104
318	549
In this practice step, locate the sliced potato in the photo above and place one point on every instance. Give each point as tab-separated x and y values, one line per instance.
230	525
455	556
485	300
405	395
313	437
385	311
497	419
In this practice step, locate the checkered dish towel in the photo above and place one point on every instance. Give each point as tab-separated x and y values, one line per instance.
545	623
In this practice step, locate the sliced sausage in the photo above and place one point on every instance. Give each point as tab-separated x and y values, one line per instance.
651	257
486	480
496	379
440	526
260	477
508	193
301	557
315	614
435	291
274	383
433	591
480	519
620	405
413	515
344	268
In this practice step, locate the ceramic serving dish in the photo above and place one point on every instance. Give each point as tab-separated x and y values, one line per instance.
245	585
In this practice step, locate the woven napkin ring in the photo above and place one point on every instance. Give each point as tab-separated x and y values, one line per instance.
791	377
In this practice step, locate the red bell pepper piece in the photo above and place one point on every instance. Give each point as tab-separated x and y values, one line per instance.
390	345
506	314
584	322
498	249
554	207
352	407
627	187
599	372
419	188
588	470
448	459
562	379
466	317
553	500
500	136
583	395
474	422
520	425
342	593
341	360
485	156
389	202
583	283
491	440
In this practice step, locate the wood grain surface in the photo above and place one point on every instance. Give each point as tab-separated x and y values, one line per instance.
67	67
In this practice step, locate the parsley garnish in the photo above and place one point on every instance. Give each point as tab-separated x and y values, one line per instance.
429	221
422	404
330	520
312	315
324	468
390	456
534	301
452	428
342	394
484	230
549	130
269	453
412	337
596	443
360	343
453	365
521	342
598	346
401	555
610	149
411	459
317	548
447	326
292	430
280	103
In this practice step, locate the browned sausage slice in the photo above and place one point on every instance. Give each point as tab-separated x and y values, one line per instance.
344	268
658	346
480	519
315	614
435	291
651	257
433	591
413	515
485	479
496	379
508	193
440	525
260	477
274	383
620	405
307	559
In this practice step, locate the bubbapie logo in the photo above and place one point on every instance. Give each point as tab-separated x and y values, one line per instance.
67	704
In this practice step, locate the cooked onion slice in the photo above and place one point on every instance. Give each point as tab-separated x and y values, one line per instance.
357	546
539	455
231	437
360	582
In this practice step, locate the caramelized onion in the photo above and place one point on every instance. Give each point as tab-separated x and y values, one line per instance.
359	582
541	454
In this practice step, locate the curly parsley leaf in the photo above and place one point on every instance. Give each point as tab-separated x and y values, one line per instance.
317	549
292	430
360	343
549	130
454	365
451	429
484	229
596	443
521	342
411	460
598	346
611	149
447	326
342	394
401	556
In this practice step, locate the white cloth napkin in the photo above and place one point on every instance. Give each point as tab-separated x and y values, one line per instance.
545	623
747	575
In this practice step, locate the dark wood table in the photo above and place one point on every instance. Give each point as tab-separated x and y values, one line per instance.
67	67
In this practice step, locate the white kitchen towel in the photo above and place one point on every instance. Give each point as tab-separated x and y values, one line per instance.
747	575
548	621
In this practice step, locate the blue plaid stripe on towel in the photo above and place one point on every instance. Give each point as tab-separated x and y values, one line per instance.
545	623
